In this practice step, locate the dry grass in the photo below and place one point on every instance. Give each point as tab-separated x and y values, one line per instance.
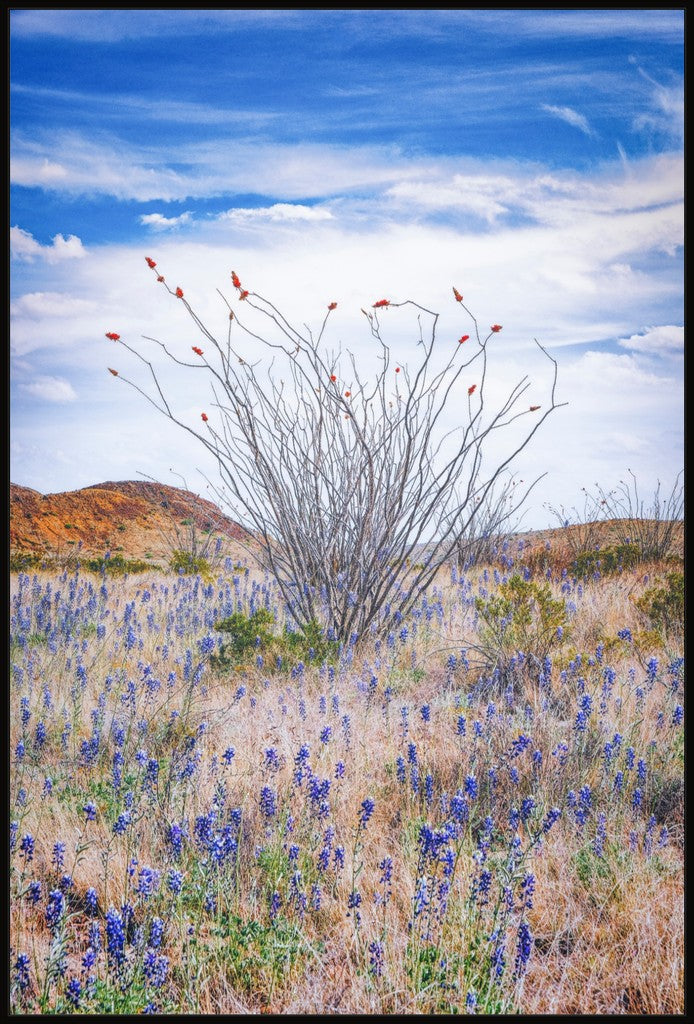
607	929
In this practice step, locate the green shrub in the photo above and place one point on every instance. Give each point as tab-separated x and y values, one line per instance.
20	561
116	565
250	635
663	604
607	560
521	617
191	565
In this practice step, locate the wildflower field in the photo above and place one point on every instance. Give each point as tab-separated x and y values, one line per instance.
479	812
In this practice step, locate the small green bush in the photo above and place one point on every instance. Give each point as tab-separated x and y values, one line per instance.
189	564
663	604
521	617
116	565
20	561
250	635
607	560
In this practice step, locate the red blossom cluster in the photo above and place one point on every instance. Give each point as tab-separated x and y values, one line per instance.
496	328
463	339
381	303
114	372
534	408
458	296
112	336
203	417
198	351
150	263
472	389
333	305
179	293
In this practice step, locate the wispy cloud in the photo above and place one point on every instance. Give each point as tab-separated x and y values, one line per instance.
23	246
665	340
50	389
571	117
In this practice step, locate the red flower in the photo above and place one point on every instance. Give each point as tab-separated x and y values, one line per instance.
348	394
333	305
458	296
380	303
464	338
397	369
534	408
203	417
179	293
243	295
198	351
333	377
496	328
234	279
160	278
471	389
150	263
114	372
113	336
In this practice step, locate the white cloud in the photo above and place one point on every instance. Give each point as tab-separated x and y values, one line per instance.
23	246
158	222
50	389
42	305
571	117
278	212
666	340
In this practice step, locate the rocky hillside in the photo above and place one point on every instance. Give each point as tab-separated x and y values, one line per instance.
140	520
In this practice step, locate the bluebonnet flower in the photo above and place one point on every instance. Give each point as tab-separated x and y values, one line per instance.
460	725
339	769
325	735
47	786
148	882
21	969
678	715
339	857
73	992
121	823
268	802
600	833
367	809
34	891
551	818
471	1002
519	745
275	904
40	738
426	712
175	881
376	958
90	811
523	949
471	787
26	847
228	755
20	750
155	968
636	799
618	781
527	807
272	761
641	770
54	908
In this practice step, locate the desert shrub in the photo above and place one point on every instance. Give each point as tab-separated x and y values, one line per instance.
663	605
190	564
521	617
342	472
606	561
116	565
252	635
20	561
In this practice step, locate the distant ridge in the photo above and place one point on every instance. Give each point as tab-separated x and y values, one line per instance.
138	519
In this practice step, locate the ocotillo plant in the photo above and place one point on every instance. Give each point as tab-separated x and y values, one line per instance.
343	477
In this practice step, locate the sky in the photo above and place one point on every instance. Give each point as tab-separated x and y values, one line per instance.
532	158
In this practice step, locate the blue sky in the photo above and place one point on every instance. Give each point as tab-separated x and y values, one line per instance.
532	158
